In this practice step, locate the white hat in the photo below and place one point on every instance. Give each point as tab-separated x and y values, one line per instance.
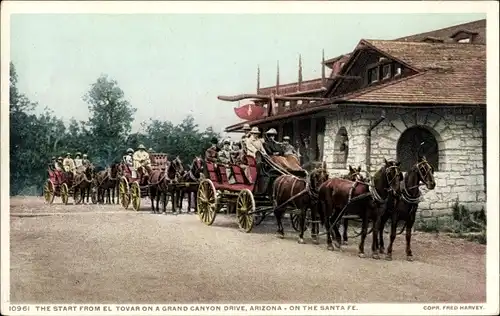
286	137
246	127
271	131
255	130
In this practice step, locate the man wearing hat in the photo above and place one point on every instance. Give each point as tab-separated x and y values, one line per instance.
78	160
211	152
129	161
59	164
85	160
69	164
253	143
271	146
224	157
288	148
52	163
141	160
151	150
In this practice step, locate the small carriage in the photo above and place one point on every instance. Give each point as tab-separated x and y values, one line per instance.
132	189
252	200
58	184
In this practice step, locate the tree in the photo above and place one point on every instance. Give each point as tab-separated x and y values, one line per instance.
110	121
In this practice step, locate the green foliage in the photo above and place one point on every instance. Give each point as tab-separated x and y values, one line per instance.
461	224
34	139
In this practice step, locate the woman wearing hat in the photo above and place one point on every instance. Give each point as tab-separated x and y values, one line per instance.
69	164
78	160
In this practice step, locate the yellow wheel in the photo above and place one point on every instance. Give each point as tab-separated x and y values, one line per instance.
206	202
135	195
64	193
49	192
124	194
245	206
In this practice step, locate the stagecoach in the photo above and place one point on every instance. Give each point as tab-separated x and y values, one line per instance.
58	184
251	204
132	189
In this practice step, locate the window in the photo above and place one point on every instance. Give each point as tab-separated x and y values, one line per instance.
464	40
397	72
386	71
299	102
372	75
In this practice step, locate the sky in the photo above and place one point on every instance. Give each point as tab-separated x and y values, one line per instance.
172	65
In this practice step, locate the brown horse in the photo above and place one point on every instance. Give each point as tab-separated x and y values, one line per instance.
191	176
405	207
353	175
82	183
290	191
162	183
106	183
340	196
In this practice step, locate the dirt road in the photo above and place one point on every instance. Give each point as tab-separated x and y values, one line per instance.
104	254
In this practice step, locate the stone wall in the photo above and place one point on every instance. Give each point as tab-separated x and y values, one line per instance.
458	131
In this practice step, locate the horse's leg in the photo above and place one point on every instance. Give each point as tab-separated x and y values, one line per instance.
345	223
278	213
88	193
108	191
376	226
314	225
302	226
113	193
152	196
394	226
164	196
409	226
174	199
383	221
158	197
364	231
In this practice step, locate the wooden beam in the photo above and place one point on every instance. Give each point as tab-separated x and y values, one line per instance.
345	77
240	97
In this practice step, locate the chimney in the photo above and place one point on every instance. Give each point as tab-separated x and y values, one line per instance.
300	71
323	77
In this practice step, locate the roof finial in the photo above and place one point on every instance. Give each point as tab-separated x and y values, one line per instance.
300	71
258	78
323	67
277	77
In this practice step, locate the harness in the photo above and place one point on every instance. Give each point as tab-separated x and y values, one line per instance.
406	196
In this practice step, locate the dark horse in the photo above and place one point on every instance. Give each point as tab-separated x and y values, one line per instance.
353	175
404	208
362	199
82	183
192	178
106	183
299	193
163	182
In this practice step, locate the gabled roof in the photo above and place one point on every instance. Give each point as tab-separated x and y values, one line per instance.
447	74
447	33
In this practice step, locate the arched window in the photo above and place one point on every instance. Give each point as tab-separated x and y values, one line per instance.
341	149
409	143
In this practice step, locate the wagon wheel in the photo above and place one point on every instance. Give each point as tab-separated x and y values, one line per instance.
401	225
206	202
124	193
295	218
245	206
64	193
49	192
135	195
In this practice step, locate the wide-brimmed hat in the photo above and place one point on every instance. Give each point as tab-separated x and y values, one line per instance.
53	158
68	154
59	158
141	146
130	150
78	153
246	127
84	155
271	131
227	142
286	137
255	130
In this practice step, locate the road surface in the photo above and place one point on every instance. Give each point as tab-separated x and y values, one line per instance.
104	254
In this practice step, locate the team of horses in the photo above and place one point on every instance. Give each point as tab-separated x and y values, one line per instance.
388	194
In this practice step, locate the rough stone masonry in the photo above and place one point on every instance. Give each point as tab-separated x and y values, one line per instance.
459	132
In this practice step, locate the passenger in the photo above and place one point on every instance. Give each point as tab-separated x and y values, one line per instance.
142	161
129	161
224	157
253	144
78	160
85	160
288	149
211	152
52	164
69	164
59	164
271	146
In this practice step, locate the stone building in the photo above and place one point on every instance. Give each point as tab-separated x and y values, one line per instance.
429	87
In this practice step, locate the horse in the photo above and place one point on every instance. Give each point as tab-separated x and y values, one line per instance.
106	183
192	174
164	182
290	190
353	175
362	199
82	183
405	207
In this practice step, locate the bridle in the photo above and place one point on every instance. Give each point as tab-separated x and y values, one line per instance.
421	180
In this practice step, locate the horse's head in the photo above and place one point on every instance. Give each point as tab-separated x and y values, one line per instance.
425	173
393	175
89	170
355	174
319	176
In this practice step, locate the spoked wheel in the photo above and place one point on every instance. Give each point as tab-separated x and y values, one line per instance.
135	195
245	206
295	218
207	202
49	192
400	228
354	227
124	194
64	193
